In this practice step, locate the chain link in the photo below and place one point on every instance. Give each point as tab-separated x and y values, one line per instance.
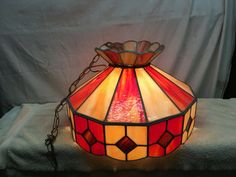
54	132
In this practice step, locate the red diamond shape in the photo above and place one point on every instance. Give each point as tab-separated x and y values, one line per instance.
126	144
88	136
165	139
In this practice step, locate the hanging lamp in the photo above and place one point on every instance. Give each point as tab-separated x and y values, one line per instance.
132	109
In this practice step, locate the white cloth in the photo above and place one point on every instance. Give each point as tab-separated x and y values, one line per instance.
212	145
44	45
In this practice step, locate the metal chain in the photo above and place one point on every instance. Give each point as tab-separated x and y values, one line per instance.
54	132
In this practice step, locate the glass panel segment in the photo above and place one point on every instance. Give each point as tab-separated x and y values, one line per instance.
138	134
174	144
176	81
126	105
156	150
143	58
175	125
114	133
156	103
155	131
80	124
114	57
138	153
97	103
193	110
115	152
82	94
97	130
98	149
181	98
82	142
128	58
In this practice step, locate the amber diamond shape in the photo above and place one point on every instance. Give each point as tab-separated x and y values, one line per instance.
126	144
89	137
165	139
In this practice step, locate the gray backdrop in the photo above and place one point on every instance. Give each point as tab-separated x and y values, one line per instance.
44	45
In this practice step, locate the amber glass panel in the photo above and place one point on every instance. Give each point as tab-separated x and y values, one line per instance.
156	103
115	152
191	127
138	134
83	93
126	105
128	58
186	117
185	136
181	98
129	45
138	153
193	110
71	117
114	133
97	103
176	81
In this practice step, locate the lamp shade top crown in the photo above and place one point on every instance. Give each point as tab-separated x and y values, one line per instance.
130	53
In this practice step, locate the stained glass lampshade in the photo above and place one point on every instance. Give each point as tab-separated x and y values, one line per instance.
132	109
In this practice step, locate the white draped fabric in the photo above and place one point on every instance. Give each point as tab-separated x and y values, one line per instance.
44	45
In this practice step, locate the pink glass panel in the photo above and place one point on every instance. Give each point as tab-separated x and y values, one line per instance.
181	98
80	124
173	144
175	125
143	46
97	130
156	150
155	131
98	149
82	142
126	105
81	95
113	56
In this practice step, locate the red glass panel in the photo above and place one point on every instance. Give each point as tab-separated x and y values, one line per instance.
173	144
98	149
175	125
143	59
80	124
156	150
81	95
181	98
155	131
82	142
97	130
126	105
114	57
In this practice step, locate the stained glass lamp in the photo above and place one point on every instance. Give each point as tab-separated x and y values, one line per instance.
132	109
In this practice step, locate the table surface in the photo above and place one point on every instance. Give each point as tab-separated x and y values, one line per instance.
212	145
